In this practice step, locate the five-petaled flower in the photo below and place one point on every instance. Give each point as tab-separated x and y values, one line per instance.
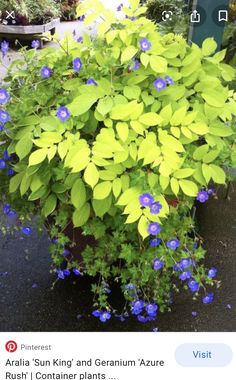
155	242
77	64
173	244
145	45
159	84
193	285
154	228
212	272
155	208
4	116
202	196
26	230
63	113
91	81
146	200
208	298
4	96
46	72
35	44
157	264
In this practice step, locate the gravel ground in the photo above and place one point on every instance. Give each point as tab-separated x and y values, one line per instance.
28	303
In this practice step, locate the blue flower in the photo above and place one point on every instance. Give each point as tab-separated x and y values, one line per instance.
155	242
46	72
194	313
156	329
135	66
185	275
77	64
173	244
145	45
202	196
4	117
154	228
151	309
185	263
4	48
209	297
146	199
96	313
159	84
158	264
6	156
212	272
119	8
76	271
105	316
91	81
66	272
169	80
4	96
142	319
130	286
63	113
193	285
211	191
66	252
27	231
155	208
79	39
6	208
177	267
2	164
35	44
60	274
137	307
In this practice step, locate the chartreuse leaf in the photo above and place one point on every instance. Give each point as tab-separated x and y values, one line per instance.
174	183
78	194
184	173
123	131
91	175
150	119
102	190
207	173
82	104
128	53
134	216
218	175
15	182
209	46
178	116
188	187
116	187
199	128
170	142
132	92
128	196
102	206
49	205
200	152
81	216
158	64
38	156
105	105
23	147
143	226
164	182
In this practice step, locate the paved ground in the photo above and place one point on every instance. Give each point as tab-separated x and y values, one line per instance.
27	302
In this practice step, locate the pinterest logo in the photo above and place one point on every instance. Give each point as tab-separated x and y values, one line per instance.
11	346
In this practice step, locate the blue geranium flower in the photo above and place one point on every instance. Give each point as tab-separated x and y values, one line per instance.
105	316
136	65
155	242
159	84
63	113
146	199
137	307
130	286
76	271
97	313
158	264
173	244
66	272
4	96
193	285
212	272
77	64
91	81
185	263
145	45
185	275
79	39
209	297
2	164
119	8
155	208
151	309
4	117
27	230
169	80
6	156
60	274
154	228
46	72
202	196
35	44
4	48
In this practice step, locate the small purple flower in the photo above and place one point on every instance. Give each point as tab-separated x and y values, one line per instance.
193	286
155	208
60	274
156	329
130	286
177	267
119	8
63	113
91	81
10	172
146	200
154	228
195	245
145	45
169	80
173	244
202	196
96	313
194	313
155	242
77	64
105	316
66	253
229	306
79	39
2	164
27	230
46	72
151	309
185	275
11	213
212	272
211	191
4	117
4	48
159	84
34	286
66	272
185	263
6	156
136	65
209	297
142	319
4	96
76	271
6	208
158	264
137	307
35	44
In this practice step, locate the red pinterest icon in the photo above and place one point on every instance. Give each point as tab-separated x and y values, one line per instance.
11	346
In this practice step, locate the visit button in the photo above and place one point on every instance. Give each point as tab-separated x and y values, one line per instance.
203	355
